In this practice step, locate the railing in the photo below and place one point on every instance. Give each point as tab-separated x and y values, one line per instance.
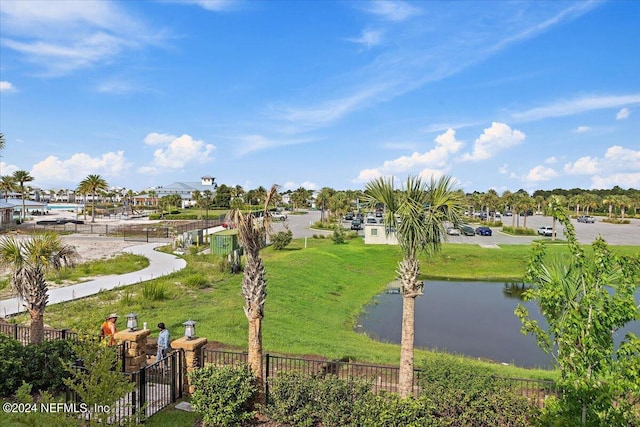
156	386
379	376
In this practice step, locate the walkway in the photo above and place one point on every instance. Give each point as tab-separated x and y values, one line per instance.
160	264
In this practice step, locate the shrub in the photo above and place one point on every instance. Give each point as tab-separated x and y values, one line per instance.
304	400
460	395
12	367
338	235
389	409
222	396
281	239
519	231
196	281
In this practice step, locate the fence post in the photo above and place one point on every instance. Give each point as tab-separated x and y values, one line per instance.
266	377
142	391
192	350
15	331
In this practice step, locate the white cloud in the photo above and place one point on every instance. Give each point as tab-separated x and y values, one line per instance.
581	129
498	137
307	185
63	36
211	5
368	38
504	169
551	160
576	106
6	86
437	158
178	152
582	166
395	11
249	143
540	173
624	180
78	166
623	114
6	169
619	158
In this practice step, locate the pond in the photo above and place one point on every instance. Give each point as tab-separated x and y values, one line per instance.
470	318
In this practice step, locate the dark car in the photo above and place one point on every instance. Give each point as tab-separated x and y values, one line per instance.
467	230
356	224
59	221
348	216
483	231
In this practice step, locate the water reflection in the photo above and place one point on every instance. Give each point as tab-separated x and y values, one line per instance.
515	290
471	318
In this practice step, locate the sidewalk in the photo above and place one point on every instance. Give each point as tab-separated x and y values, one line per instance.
160	264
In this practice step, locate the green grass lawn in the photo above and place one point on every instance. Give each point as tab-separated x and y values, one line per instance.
314	296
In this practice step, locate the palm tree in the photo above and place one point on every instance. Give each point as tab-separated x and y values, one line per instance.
252	234
7	184
422	215
92	184
322	200
29	260
555	208
20	177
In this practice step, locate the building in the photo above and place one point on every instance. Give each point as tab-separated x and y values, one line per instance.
375	234
184	189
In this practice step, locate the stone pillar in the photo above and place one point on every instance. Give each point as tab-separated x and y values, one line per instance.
136	348
192	357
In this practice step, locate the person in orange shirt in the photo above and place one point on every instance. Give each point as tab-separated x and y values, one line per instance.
109	328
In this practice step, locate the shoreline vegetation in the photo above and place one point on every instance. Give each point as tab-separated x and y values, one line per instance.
314	297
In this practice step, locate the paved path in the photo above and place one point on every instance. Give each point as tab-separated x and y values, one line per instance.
160	264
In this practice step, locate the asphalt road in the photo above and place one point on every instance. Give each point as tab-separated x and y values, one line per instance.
614	234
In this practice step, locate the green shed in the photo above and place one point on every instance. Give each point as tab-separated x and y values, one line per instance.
224	242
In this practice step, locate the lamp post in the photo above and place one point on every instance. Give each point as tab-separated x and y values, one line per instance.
189	329
132	321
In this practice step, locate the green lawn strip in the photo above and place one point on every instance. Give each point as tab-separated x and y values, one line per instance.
314	296
119	264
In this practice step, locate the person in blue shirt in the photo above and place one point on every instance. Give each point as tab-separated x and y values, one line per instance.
163	343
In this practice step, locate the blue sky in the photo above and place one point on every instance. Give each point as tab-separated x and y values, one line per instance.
503	95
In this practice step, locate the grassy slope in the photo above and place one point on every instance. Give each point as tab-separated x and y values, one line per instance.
314	295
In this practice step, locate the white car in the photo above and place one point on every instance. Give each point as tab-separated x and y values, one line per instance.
452	231
546	231
279	216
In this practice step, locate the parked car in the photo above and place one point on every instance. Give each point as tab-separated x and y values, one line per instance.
546	231
279	216
586	219
348	216
452	231
371	220
356	224
467	230
483	231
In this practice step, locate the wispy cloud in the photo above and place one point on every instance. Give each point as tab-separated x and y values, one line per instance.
248	144
576	106
63	36
211	5
368	38
395	11
581	129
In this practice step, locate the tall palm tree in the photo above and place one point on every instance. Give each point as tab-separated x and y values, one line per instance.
419	213
7	185
322	200
2	143
252	234
29	260
92	184
20	177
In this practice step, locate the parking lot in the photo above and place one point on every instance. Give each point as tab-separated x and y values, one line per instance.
614	234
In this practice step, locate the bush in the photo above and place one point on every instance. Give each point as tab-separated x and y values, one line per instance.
389	409
281	239
304	400
222	396
338	235
460	395
519	231
41	365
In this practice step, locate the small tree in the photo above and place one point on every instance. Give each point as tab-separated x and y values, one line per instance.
586	300
281	239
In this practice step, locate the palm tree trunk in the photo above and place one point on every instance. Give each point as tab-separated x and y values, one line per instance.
36	332
254	356
405	380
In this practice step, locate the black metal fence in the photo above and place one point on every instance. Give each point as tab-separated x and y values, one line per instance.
143	233
379	376
156	386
